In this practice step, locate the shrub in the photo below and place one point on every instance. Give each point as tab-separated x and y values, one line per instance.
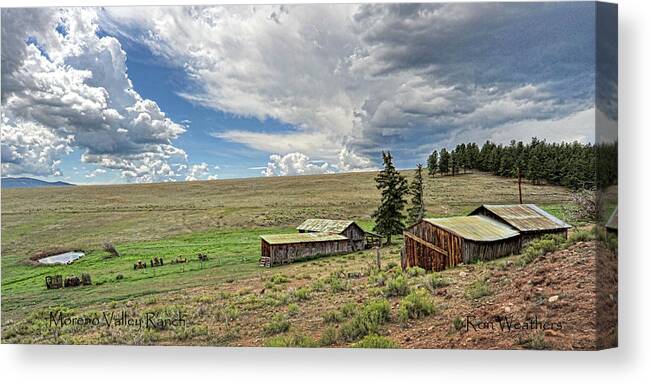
540	247
477	289
375	341
278	324
435	281
458	323
318	286
391	265
228	314
415	271
329	337
536	342
367	321
279	279
377	279
349	309
292	309
301	294
336	284
397	286
416	305
580	235
333	317
295	341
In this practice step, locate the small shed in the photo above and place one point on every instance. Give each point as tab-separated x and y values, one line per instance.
348	228
287	248
436	244
530	220
611	224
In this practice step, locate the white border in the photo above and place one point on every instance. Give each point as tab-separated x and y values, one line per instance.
628	363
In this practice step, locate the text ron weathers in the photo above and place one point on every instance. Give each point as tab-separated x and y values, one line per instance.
508	324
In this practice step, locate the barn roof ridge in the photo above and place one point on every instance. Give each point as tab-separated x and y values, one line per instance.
474	228
525	217
325	225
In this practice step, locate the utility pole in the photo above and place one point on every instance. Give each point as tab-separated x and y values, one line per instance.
520	184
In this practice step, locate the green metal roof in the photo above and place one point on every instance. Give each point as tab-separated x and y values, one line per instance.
475	228
325	225
526	217
294	238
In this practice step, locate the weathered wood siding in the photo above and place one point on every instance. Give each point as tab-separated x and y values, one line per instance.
432	248
288	253
356	237
485	251
435	249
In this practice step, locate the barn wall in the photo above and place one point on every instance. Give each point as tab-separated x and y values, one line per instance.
265	253
485	251
356	237
448	246
288	253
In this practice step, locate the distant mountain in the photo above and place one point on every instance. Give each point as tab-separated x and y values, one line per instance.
28	182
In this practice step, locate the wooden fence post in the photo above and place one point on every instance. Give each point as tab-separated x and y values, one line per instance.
377	258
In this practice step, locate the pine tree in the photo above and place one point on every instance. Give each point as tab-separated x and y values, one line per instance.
454	162
444	162
389	217
433	163
417	209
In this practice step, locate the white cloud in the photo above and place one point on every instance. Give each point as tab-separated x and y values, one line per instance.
199	172
293	164
95	173
362	78
30	148
72	90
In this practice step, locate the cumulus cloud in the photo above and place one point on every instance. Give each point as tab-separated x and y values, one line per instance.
199	171
293	164
362	78
68	85
31	148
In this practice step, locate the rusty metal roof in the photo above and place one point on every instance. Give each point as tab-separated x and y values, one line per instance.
612	221
475	228
325	225
294	238
526	217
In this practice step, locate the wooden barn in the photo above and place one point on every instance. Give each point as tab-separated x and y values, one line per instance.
530	220
436	244
287	248
348	228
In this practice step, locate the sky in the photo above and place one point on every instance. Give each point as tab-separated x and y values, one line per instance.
134	94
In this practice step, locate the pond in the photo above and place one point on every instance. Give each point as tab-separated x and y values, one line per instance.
62	258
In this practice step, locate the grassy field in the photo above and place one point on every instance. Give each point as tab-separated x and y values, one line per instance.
223	219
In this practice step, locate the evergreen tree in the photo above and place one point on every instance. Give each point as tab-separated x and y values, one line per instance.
389	217
573	165
454	162
433	163
417	209
444	162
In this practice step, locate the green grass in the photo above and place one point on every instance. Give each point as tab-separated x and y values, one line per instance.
375	342
415	305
